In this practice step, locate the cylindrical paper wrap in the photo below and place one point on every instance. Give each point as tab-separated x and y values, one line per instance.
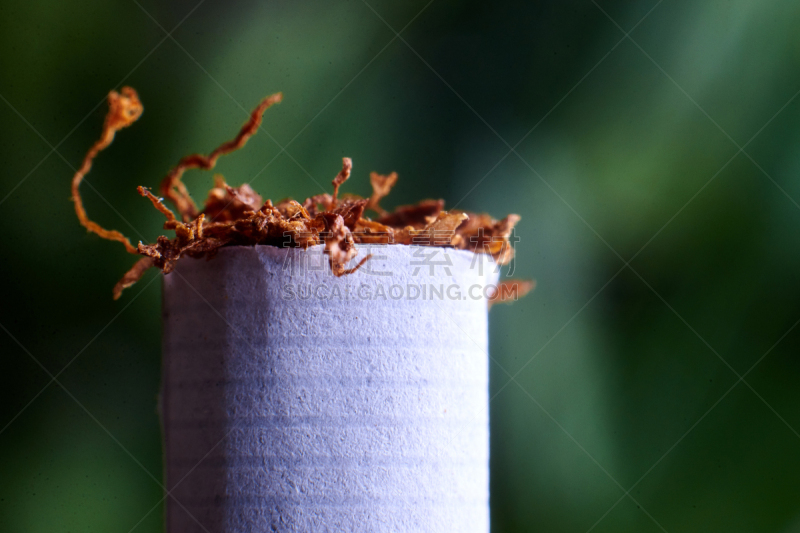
295	401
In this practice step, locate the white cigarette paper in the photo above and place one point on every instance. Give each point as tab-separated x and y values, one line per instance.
295	401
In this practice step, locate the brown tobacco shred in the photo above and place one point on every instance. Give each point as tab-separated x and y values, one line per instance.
173	188
381	185
341	177
239	216
511	290
132	276
124	108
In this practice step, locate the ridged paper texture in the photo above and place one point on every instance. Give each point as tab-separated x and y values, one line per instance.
290	405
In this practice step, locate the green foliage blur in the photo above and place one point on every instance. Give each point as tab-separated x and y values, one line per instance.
655	366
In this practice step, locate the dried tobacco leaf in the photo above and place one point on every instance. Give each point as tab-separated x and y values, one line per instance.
174	189
238	215
223	205
124	108
416	215
440	231
341	177
511	290
484	235
381	186
132	276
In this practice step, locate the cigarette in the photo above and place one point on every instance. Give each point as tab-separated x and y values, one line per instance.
295	400
339	384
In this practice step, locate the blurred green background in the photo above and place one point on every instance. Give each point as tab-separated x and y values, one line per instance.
626	149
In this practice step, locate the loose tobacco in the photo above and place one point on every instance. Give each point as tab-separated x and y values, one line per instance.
236	216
